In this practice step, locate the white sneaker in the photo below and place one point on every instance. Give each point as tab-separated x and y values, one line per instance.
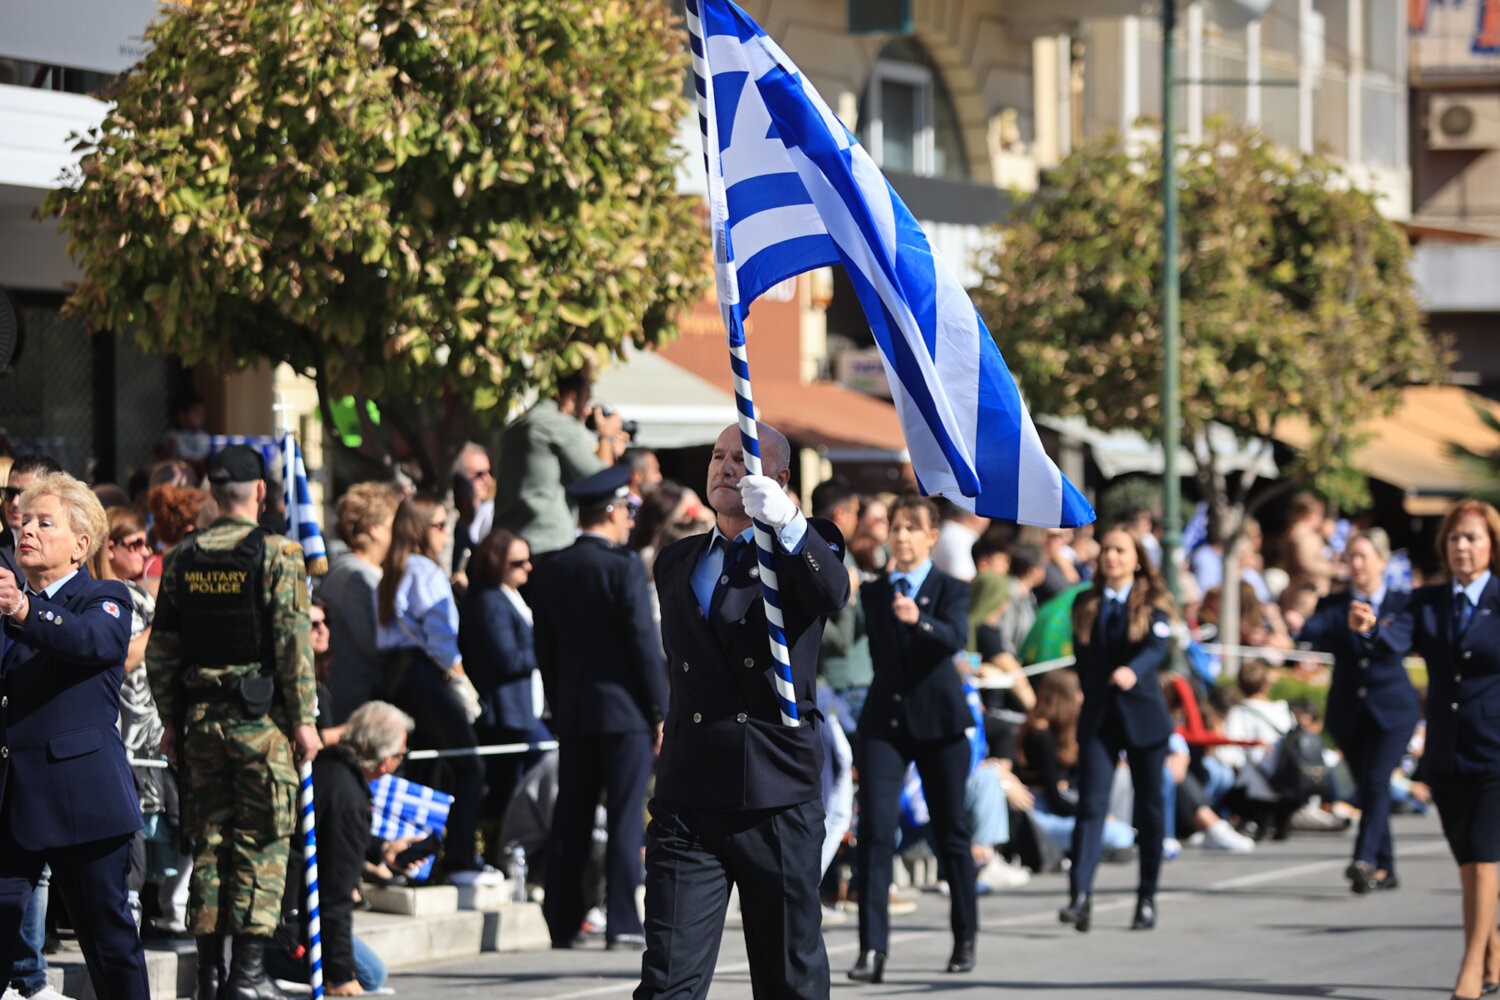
1223	837
482	877
1000	874
1171	848
1315	818
48	993
833	917
594	921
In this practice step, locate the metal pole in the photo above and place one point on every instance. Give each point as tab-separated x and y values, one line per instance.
1171	291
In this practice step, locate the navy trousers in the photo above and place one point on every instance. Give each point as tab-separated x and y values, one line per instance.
1097	755
619	765
1373	753
944	768
91	877
693	856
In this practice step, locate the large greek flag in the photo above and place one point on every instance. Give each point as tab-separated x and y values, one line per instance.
790	189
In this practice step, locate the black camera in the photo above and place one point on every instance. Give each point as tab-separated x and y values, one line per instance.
629	427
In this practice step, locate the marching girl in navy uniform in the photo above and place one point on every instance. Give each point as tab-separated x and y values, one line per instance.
1121	630
1455	626
1372	706
917	619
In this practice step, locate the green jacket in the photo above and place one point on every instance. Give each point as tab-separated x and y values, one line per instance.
174	682
542	452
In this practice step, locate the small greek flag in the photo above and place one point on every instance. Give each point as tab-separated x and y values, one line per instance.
301	517
790	189
404	808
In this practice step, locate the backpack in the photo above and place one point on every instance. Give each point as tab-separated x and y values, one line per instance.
1300	771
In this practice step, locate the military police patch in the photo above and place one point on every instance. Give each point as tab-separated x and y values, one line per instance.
112	609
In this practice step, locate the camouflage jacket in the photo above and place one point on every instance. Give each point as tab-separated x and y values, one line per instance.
174	682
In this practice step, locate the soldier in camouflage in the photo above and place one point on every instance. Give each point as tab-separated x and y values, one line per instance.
231	667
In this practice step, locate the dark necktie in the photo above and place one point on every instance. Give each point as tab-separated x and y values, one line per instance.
732	549
903	586
1463	613
1109	614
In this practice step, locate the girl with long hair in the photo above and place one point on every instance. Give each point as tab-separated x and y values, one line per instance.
1121	633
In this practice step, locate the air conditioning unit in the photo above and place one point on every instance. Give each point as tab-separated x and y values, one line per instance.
1463	121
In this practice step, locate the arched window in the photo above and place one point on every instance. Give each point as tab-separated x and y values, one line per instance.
906	119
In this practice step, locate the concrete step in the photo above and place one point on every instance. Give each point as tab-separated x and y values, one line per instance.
402	940
69	975
407	941
406	901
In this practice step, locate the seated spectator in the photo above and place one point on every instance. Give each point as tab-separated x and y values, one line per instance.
1190	800
1026	573
373	744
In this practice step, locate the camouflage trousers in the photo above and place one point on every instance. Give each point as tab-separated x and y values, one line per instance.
239	804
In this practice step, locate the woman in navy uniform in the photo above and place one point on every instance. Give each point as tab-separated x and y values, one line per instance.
1455	626
66	794
1372	706
917	618
1121	630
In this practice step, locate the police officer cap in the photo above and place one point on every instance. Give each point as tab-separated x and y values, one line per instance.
602	487
238	463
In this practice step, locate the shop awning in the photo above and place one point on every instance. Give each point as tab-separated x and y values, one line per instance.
674	407
1121	453
1409	448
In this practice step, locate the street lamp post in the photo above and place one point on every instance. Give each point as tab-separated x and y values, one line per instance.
1171	430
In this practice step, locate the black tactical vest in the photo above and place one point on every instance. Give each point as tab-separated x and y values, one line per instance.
221	602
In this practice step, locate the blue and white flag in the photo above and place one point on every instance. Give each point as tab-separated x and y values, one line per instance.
403	809
301	516
790	189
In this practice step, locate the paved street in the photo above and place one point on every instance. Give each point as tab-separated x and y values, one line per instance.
1280	922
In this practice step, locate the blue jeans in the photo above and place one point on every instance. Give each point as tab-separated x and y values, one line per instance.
29	971
989	814
369	969
1118	835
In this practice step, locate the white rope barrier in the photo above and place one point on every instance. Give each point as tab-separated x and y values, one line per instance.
492	750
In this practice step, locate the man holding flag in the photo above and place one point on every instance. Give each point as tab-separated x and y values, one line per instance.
739	794
789	190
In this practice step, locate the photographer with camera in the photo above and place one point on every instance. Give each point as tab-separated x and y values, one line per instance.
548	448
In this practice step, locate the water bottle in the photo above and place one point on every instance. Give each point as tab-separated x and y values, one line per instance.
517	874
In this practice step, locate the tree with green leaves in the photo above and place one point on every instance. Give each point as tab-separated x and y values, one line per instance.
439	207
1297	306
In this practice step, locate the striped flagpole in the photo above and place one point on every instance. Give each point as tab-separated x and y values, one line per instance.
729	298
310	854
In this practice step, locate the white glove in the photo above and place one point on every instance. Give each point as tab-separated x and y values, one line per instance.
766	502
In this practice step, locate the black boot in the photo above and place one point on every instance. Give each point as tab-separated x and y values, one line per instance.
962	959
1079	912
247	972
210	966
1145	914
870	968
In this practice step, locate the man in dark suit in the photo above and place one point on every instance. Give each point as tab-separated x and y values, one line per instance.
738	792
601	664
66	793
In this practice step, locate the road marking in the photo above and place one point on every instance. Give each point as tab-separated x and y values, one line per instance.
1049	915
